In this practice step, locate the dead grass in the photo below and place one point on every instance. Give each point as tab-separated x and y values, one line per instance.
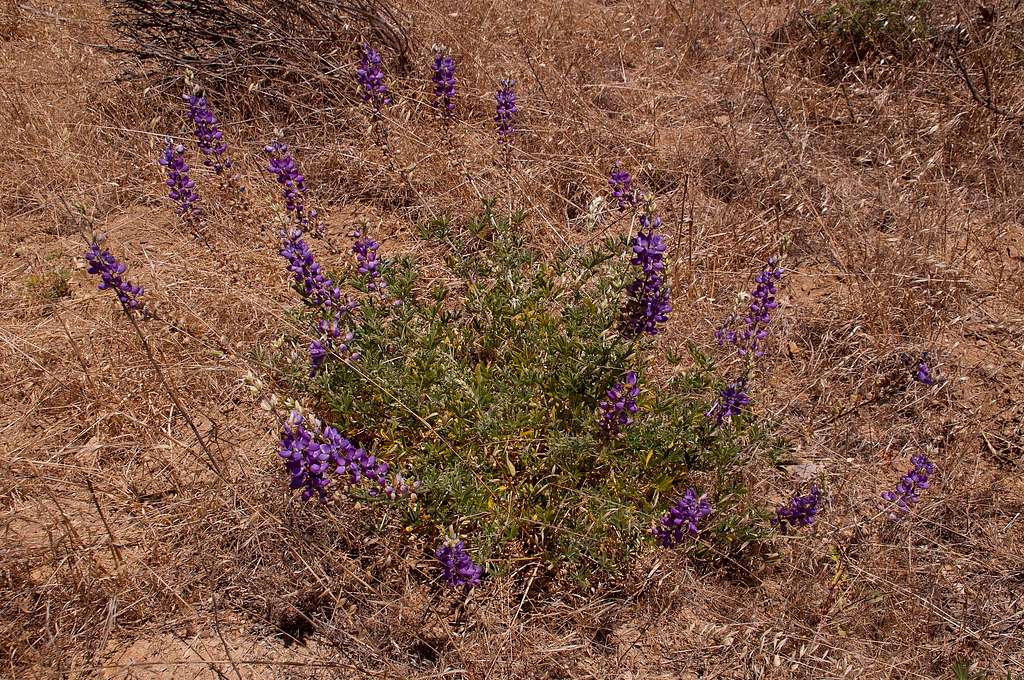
899	194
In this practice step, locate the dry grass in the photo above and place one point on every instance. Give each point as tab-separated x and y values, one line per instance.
901	199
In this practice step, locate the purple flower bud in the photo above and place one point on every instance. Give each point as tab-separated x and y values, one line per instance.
370	78
445	82
618	409
730	403
505	109
683	518
111	272
909	487
457	568
648	302
800	511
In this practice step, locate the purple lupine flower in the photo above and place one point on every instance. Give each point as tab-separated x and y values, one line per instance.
312	452
682	518
910	485
624	194
922	372
457	568
370	78
293	186
618	409
505	109
368	266
747	336
208	133
332	339
310	280
648	303
730	402
181	188
306	460
800	511
445	82
111	275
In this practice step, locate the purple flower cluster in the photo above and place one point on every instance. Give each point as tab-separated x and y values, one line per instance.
181	188
457	568
910	485
319	291
648	303
444	81
310	280
293	185
682	518
313	452
800	511
618	409
730	402
505	109
370	78
922	372
365	250
754	329
111	276
208	133
621	182
331	339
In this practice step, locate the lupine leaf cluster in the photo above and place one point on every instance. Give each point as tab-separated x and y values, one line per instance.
489	390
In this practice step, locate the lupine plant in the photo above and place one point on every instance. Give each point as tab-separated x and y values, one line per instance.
445	83
618	408
281	164
909	487
922	371
747	335
505	109
648	304
730	402
208	133
111	272
315	453
489	387
367	264
181	188
370	79
621	184
682	520
457	567
799	512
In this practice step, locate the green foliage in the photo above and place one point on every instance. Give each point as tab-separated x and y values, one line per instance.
485	387
863	28
49	286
